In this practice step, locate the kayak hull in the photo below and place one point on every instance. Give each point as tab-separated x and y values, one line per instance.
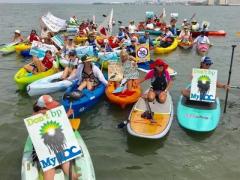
198	116
185	45
23	78
87	101
161	50
144	128
124	98
83	165
209	33
46	86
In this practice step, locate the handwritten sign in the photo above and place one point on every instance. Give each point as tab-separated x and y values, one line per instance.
203	87
53	138
58	40
83	50
142	53
115	71
53	23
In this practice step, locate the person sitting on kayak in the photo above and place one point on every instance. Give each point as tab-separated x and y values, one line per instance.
184	23
33	36
195	25
131	49
18	37
130	72
132	27
69	46
88	74
202	39
161	81
106	46
121	34
185	35
83	30
91	41
141	26
37	65
166	39
72	64
42	105
173	27
205	63
143	39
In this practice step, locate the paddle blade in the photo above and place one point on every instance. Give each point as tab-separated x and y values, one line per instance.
75	123
122	124
238	33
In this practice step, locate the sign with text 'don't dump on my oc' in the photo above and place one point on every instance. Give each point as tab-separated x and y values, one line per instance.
53	138
203	87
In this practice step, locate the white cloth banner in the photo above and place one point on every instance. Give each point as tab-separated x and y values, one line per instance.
53	138
53	23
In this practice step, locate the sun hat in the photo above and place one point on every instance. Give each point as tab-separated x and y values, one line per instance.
185	20
87	58
18	31
46	101
206	60
122	27
159	62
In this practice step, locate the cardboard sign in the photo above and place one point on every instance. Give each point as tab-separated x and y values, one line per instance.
58	40
115	71
142	53
83	50
38	49
53	138
203	87
53	23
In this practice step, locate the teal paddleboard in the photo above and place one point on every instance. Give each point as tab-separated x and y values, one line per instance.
198	116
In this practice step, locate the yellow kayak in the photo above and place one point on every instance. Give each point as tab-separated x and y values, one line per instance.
22	47
23	78
81	39
161	50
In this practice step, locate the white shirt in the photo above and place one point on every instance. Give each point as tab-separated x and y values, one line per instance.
132	28
202	40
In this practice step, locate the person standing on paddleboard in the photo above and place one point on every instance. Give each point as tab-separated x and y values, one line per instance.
42	105
205	63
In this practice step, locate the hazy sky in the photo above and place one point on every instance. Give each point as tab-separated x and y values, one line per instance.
69	1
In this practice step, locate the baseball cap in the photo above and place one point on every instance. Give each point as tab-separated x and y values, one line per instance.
206	60
46	101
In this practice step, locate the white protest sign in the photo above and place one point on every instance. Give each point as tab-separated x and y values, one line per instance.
53	23
38	49
53	138
83	50
203	87
58	40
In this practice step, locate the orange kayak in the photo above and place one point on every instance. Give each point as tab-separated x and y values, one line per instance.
123	98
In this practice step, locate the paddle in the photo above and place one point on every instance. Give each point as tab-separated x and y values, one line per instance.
235	87
75	123
194	14
149	113
229	78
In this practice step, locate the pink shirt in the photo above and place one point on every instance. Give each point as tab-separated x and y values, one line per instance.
150	75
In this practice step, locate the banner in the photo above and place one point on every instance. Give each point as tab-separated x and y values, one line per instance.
58	40
142	53
38	49
203	87
53	23
83	50
53	138
115	71
108	56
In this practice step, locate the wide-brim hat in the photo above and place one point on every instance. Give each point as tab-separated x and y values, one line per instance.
159	62
87	58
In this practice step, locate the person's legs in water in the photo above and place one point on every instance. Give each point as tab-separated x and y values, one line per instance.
49	174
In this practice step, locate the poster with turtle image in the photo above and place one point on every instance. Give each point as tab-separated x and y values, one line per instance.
53	138
203	87
142	53
38	49
115	71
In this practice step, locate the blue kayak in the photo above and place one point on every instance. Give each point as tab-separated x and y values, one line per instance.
26	53
86	101
198	116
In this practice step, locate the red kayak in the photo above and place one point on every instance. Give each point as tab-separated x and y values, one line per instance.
110	40
210	33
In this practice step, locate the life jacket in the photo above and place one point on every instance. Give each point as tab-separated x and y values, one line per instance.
159	83
33	37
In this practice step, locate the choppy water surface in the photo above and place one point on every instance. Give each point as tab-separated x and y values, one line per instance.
117	156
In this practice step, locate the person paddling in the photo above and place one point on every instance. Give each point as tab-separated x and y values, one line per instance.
42	105
17	36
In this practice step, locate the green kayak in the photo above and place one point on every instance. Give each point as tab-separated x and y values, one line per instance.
8	49
82	165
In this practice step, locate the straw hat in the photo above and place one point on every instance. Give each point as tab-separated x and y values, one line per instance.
87	58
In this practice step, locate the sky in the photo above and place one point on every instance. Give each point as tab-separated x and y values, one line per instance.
69	1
